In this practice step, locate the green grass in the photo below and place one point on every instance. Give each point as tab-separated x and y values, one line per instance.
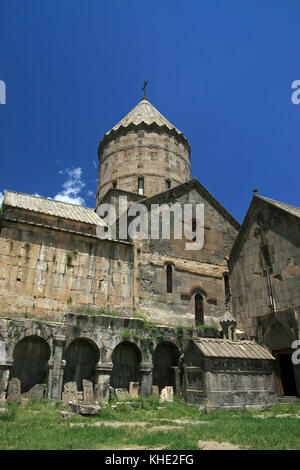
40	426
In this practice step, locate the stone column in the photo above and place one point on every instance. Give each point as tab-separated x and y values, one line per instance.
102	381
4	376
228	324
176	376
56	368
145	373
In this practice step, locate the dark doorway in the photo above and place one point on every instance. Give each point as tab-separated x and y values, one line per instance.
285	373
81	358
165	359
126	359
31	356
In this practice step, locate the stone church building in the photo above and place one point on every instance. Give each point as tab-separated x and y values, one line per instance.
216	323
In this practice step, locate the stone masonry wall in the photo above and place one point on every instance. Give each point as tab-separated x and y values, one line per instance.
194	271
250	298
153	154
44	272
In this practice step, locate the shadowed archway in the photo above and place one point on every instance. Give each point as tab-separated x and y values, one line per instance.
165	358
126	358
31	356
81	358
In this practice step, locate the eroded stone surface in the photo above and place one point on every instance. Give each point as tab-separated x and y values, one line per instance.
167	394
69	393
134	389
88	392
14	391
122	393
85	409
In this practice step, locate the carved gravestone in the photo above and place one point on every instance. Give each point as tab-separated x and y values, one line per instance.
88	392
14	391
69	393
112	393
167	394
122	393
134	389
36	393
155	390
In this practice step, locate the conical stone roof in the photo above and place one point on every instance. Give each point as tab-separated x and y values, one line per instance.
144	112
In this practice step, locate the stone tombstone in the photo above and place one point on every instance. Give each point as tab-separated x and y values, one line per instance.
155	390
85	409
36	393
14	391
69	393
2	351
122	393
167	394
112	393
134	389
88	392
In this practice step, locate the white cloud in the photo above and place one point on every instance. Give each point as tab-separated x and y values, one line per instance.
72	187
1	197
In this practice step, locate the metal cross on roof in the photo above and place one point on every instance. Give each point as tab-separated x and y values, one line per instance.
144	89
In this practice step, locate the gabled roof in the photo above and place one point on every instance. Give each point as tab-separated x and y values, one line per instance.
281	205
42	205
212	347
185	187
284	208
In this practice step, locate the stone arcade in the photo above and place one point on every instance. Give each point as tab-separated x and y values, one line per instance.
216	324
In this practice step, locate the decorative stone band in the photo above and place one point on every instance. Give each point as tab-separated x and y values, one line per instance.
7	363
146	368
104	368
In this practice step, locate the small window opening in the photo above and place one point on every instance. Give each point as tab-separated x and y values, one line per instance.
169	278
227	289
266	257
141	186
199	310
194	229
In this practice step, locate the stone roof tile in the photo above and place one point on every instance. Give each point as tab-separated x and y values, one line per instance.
212	347
51	207
145	112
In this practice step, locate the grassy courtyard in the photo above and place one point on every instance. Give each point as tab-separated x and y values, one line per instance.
176	426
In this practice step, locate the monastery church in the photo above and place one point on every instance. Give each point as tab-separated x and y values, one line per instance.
217	324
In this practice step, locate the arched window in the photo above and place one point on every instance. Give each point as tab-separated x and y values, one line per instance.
227	289
199	309
141	186
194	229
168	184
169	278
114	185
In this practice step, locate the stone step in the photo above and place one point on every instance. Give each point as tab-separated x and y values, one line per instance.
288	400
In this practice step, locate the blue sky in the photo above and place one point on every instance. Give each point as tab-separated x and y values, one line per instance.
220	71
